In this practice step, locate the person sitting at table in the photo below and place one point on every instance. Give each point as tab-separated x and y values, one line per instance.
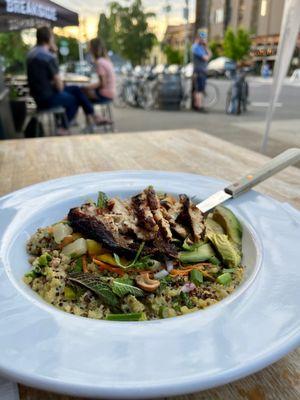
104	89
46	85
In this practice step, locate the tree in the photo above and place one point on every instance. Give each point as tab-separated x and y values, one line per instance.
216	49
174	56
236	46
73	48
126	31
14	51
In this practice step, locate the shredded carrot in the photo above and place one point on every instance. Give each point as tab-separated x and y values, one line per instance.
186	270
84	264
180	272
50	229
108	267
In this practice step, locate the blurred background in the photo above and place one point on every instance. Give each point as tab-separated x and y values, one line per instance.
149	44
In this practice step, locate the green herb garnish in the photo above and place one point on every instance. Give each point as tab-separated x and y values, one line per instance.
102	200
123	286
196	277
134	262
224	279
127	317
96	285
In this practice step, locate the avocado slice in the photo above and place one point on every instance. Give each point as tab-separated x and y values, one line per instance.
229	222
202	253
230	255
212	226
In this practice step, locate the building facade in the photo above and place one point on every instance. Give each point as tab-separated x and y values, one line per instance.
259	17
262	18
175	35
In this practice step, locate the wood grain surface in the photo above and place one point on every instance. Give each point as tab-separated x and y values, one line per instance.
23	163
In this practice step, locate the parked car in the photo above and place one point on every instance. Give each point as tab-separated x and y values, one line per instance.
221	66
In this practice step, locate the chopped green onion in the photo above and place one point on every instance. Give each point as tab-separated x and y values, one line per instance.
196	277
230	270
224	279
126	317
44	260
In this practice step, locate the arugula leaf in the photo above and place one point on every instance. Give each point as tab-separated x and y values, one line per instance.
102	200
96	285
123	286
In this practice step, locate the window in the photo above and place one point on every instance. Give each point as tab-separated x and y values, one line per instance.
263	8
219	16
241	11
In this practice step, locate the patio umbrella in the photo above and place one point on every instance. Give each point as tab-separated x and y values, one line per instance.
288	36
23	14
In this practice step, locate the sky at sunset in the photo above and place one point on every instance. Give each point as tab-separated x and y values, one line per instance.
89	11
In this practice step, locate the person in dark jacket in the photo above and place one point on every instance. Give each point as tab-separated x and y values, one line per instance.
46	85
201	55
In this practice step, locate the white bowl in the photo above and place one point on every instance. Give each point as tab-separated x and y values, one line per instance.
53	350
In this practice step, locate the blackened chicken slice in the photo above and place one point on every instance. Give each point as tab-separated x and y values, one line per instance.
165	247
144	214
194	217
155	207
94	225
126	220
171	210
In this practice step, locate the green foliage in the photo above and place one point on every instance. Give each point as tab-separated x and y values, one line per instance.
174	56
216	49
14	50
126	31
236	46
73	47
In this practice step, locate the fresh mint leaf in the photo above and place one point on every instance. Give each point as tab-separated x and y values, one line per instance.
96	285
122	287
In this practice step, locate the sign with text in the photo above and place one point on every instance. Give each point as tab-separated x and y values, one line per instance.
31	8
34	13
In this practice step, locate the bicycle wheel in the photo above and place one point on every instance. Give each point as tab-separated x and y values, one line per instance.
211	95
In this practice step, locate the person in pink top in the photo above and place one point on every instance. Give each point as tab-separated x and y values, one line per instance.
104	90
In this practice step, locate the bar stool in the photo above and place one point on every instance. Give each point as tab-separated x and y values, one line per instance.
107	113
52	116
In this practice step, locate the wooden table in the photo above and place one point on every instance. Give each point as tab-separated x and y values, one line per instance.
26	162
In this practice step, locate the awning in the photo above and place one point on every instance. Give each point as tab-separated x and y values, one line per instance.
23	14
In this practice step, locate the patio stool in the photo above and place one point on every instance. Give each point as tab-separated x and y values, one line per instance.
51	115
106	112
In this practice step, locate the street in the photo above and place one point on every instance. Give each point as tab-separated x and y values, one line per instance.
245	130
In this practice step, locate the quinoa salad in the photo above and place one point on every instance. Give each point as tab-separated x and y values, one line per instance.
148	257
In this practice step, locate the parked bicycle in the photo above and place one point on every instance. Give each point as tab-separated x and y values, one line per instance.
151	87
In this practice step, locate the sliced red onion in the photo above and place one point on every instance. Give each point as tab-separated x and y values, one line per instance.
188	287
169	265
161	274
